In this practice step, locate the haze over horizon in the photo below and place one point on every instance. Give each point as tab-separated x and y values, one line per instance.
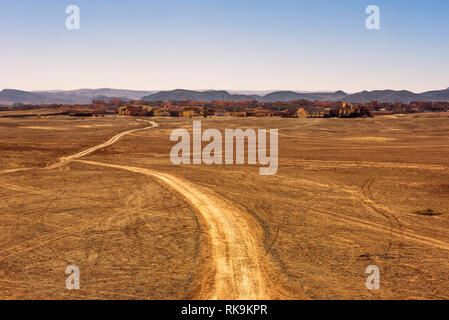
234	91
247	46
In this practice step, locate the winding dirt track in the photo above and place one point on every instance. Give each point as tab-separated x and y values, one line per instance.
113	140
67	159
235	238
237	266
238	259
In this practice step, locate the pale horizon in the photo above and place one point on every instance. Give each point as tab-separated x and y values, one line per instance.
233	91
293	45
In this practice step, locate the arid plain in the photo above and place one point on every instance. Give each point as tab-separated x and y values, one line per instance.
349	193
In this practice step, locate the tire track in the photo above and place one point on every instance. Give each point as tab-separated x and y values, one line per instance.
399	233
236	240
368	164
7	184
111	141
368	202
69	158
47	238
395	229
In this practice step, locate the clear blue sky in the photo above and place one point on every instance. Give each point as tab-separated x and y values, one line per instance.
227	44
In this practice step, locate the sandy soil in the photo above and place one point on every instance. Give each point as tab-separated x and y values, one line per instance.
346	196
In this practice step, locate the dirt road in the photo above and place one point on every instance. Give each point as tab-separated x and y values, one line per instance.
236	239
238	258
142	228
111	141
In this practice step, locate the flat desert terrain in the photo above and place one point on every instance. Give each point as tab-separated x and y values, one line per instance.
101	193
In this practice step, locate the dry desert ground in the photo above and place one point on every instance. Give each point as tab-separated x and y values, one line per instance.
101	193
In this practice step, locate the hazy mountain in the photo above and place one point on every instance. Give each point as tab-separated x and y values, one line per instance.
437	95
107	92
107	99
211	95
10	96
87	95
69	96
283	96
391	96
180	94
292	95
250	92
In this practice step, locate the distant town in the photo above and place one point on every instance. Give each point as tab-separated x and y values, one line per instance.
220	108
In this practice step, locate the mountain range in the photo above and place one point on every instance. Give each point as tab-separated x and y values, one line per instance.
80	96
85	96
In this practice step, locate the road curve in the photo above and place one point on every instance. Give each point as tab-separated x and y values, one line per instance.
113	140
240	264
236	241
